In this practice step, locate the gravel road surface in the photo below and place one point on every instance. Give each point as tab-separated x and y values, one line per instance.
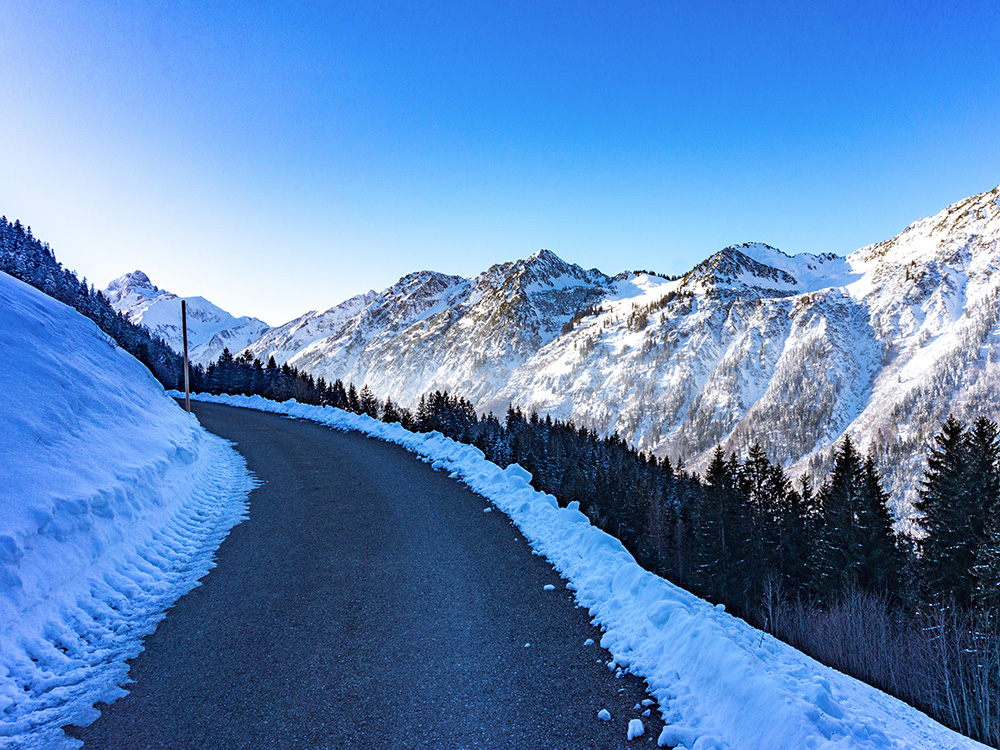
368	602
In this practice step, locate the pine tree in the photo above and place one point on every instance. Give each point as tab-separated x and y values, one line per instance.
837	556
946	511
367	403
984	462
389	411
795	535
353	402
713	521
423	415
763	488
338	395
882	560
986	570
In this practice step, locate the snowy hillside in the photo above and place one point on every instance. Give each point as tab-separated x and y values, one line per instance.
752	345
210	328
113	502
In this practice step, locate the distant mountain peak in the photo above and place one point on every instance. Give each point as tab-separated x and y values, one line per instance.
136	278
545	254
210	328
544	270
734	268
135	283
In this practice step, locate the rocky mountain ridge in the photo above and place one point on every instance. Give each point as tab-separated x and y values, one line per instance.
751	345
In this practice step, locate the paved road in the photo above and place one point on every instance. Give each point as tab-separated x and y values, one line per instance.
368	602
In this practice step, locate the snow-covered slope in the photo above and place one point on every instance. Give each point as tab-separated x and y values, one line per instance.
752	345
112	502
210	328
719	683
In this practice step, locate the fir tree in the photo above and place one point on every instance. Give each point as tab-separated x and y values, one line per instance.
763	487
882	560
367	403
984	463
837	555
353	402
795	533
338	395
390	413
713	520
946	511
986	570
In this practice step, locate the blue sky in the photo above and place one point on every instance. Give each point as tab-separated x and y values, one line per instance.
281	157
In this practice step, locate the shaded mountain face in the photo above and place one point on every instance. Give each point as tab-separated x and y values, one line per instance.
210	328
752	345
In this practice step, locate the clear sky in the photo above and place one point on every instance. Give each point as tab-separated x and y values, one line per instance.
280	157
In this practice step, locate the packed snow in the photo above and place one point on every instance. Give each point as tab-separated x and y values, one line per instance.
113	503
635	728
718	682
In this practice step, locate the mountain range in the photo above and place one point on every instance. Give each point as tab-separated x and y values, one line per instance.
751	345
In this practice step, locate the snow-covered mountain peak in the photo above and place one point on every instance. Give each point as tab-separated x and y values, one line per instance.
735	269
129	289
137	279
941	262
414	297
543	271
357	302
210	328
546	270
418	286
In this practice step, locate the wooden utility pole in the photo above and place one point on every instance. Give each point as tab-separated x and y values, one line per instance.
187	376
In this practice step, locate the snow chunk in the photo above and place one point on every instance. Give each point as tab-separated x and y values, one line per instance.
635	729
548	587
604	715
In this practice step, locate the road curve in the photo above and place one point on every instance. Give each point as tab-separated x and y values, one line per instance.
368	602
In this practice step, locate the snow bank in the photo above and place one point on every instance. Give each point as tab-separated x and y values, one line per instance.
112	503
719	682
